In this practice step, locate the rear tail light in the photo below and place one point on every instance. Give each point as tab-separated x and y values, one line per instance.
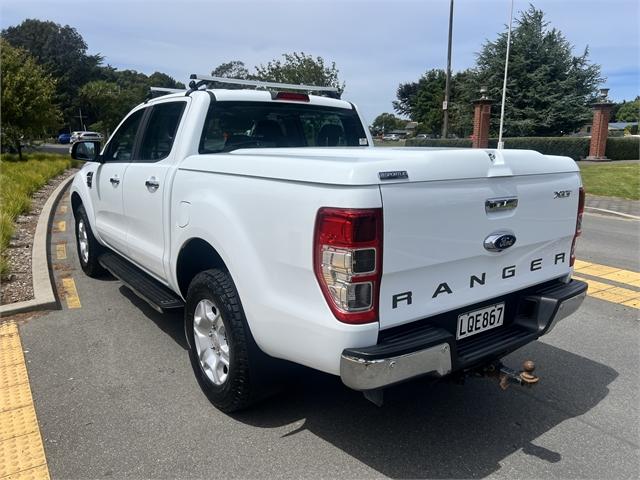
347	261
578	226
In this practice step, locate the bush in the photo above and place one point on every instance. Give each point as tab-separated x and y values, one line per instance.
19	180
623	148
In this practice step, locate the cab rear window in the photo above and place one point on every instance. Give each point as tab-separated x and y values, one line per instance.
234	125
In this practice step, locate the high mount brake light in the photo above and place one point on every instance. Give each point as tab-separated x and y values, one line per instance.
581	198
347	260
291	96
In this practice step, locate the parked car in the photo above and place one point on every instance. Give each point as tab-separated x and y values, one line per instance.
422	136
87	136
392	137
64	138
375	265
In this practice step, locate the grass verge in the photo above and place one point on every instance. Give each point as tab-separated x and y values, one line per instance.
18	182
612	180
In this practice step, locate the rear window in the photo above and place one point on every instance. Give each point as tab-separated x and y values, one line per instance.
233	125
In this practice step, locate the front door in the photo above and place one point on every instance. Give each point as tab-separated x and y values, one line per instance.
147	186
108	180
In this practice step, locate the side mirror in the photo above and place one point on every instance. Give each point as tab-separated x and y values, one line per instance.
88	151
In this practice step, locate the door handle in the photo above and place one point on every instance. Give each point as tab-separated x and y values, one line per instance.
152	184
114	180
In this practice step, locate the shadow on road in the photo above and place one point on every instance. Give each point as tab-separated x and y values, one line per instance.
442	430
170	323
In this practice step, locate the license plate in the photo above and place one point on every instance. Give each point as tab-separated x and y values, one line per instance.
477	321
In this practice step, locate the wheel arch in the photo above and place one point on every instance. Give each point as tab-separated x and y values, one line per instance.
76	201
195	256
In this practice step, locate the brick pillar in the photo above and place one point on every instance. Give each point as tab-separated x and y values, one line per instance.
481	122
599	130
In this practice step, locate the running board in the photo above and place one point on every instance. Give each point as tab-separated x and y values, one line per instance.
140	283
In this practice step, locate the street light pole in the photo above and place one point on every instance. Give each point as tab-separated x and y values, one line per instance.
447	87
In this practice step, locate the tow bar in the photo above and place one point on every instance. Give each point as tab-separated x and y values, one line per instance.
506	376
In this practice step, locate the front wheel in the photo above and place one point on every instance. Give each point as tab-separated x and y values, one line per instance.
223	354
88	247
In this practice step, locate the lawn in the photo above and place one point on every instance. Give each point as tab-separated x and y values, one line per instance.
612	180
18	182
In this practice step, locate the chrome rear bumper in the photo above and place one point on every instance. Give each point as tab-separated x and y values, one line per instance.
433	350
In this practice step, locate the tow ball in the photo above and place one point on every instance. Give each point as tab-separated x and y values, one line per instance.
507	376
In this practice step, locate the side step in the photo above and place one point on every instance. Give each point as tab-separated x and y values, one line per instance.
140	283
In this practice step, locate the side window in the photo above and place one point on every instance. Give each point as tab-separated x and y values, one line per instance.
120	147
160	131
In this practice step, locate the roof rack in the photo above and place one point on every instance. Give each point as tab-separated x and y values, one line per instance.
328	91
166	90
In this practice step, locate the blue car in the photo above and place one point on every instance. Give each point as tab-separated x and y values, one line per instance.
64	138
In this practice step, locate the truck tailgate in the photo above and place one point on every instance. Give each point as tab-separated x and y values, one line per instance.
435	257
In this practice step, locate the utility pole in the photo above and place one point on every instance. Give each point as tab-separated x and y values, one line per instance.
447	87
82	125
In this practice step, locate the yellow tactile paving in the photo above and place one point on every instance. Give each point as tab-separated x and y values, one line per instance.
61	226
10	349
71	293
611	293
597	270
37	473
11	375
21	451
61	251
62	209
18	421
15	397
623	276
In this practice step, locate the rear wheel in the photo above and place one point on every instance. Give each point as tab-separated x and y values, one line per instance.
223	354
88	247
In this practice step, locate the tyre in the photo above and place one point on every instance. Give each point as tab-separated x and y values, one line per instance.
223	354
88	247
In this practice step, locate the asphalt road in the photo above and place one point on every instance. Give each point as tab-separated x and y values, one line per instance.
115	397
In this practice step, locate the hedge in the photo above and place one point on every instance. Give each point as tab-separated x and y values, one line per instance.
626	148
623	148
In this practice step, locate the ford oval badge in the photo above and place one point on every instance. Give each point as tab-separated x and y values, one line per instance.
499	241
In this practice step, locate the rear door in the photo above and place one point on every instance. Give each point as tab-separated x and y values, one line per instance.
107	183
437	252
146	186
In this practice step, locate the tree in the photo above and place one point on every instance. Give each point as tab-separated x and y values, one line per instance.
629	111
300	68
422	101
549	90
27	98
232	69
62	51
386	122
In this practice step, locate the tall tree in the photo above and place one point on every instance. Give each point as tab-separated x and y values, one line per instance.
298	67
62	51
422	100
548	89
27	98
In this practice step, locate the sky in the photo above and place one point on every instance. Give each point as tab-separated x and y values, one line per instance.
376	45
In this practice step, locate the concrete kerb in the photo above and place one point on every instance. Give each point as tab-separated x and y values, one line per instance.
43	290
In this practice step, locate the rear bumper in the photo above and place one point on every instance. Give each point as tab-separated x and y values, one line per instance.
429	347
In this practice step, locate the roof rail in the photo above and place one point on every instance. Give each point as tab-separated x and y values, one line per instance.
332	92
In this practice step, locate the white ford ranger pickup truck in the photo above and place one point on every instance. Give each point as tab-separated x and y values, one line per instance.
270	218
